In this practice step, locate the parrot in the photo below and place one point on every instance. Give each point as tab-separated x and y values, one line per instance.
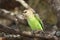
33	20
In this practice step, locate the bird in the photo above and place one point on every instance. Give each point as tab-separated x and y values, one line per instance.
33	20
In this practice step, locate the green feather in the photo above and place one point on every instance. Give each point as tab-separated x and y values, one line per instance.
39	19
34	23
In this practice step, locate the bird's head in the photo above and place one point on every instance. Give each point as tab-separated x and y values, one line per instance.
28	13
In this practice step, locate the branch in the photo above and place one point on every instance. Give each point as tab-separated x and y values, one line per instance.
25	5
17	18
24	33
12	31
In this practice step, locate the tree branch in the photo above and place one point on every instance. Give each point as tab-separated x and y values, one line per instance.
25	5
24	33
13	18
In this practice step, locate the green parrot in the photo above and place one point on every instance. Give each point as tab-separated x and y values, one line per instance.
33	20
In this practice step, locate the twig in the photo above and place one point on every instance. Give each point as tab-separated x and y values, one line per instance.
25	5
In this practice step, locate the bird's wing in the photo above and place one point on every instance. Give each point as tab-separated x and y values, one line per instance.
38	18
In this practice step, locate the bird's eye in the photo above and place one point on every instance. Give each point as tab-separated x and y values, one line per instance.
25	11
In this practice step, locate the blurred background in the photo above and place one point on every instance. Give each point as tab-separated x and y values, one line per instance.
48	10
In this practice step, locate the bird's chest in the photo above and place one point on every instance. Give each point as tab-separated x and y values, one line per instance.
32	21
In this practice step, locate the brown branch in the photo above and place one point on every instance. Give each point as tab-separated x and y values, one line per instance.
24	33
12	17
7	15
25	5
12	31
